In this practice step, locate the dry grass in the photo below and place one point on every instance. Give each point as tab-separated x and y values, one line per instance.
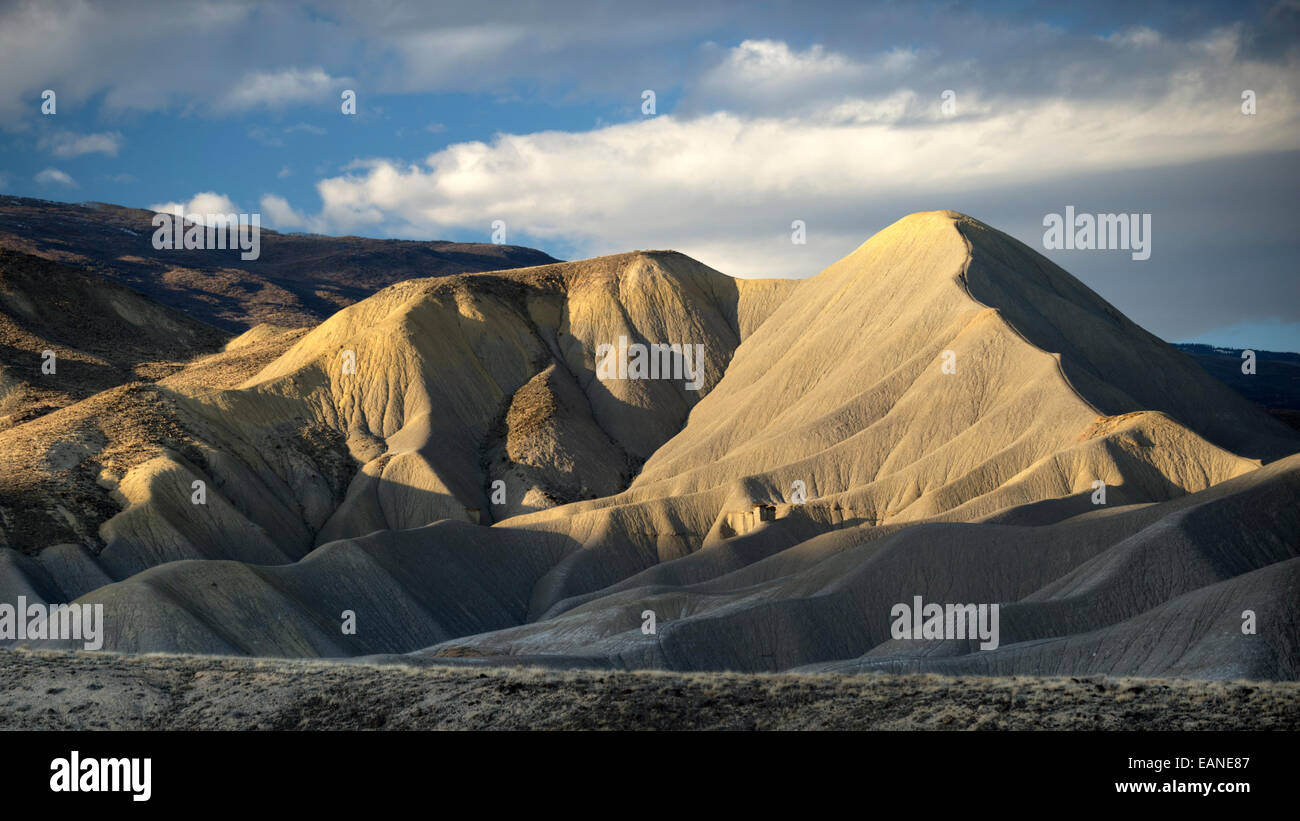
45	690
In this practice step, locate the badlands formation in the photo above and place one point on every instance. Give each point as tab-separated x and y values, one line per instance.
930	416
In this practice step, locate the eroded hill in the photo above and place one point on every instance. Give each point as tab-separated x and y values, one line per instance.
933	415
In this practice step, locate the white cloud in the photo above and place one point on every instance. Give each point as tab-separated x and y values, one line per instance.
766	74
272	89
200	206
284	172
69	144
685	182
768	78
53	176
280	215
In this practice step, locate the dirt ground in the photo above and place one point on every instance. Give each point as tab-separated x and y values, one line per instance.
51	690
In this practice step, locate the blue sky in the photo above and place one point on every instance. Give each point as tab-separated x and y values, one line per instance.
826	113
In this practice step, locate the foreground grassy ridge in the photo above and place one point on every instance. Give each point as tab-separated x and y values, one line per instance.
50	690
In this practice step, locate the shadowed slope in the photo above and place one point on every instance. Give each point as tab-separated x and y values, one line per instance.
101	334
1114	364
1147	590
1143	590
406	589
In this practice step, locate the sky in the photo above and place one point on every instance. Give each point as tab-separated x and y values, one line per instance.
843	117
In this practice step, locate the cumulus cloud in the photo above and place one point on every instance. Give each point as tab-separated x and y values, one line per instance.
53	176
685	182
69	144
200	206
769	77
278	214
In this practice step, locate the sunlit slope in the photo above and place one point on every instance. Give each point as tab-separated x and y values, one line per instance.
401	410
445	386
844	389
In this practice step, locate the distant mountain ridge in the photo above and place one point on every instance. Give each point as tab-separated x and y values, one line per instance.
298	280
1275	384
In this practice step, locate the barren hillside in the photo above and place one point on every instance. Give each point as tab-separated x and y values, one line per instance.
943	413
